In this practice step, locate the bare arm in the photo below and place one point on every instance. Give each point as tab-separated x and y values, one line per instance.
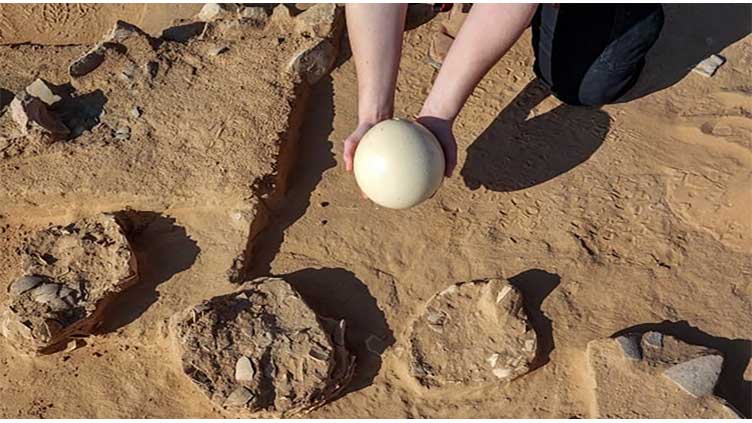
486	35
375	32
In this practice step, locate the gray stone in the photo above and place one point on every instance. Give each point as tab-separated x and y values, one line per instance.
709	66
136	112
239	398
653	339
697	376
213	11
24	284
244	370
630	346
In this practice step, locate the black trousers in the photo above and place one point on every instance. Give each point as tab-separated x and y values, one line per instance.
591	54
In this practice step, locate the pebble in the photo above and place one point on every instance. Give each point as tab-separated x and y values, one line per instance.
24	284
256	14
501	373
654	339
239	397
698	376
136	112
42	91
44	291
217	50
630	346
244	370
709	66
319	20
123	133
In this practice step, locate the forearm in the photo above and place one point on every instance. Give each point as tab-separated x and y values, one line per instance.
487	34
375	32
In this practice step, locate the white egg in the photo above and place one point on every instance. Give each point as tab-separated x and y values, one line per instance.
399	164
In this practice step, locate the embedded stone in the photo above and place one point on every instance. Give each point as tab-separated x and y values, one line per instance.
698	376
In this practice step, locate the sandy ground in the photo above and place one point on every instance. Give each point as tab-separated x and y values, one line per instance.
631	216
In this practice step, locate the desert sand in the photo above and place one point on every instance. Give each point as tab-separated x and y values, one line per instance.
629	218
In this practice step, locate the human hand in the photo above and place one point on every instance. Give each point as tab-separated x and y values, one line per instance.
442	130
351	142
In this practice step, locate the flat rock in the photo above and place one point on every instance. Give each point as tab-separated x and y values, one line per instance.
697	376
41	90
32	114
262	349
672	379
709	66
472	334
71	273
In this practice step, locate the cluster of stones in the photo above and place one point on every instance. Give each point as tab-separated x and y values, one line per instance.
70	274
262	349
472	334
674	379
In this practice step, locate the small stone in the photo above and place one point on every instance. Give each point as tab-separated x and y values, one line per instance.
213	11
312	64
709	66
217	50
653	339
630	346
136	112
255	14
502	373
44	291
239	398
697	376
492	359
42	91
320	20
244	370
24	284
87	63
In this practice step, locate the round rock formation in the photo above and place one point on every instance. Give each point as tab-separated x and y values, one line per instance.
70	275
472	334
262	349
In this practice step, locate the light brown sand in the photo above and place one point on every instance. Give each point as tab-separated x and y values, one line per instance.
635	214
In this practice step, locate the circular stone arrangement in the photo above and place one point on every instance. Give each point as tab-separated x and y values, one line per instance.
262	348
472	334
70	274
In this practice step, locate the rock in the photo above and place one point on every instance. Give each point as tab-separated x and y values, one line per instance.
24	284
265	350
630	346
626	386
244	370
78	269
709	66
112	43
281	14
472	334
254	13
136	112
320	20
213	11
698	376
42	91
240	397
314	63
31	113
217	50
